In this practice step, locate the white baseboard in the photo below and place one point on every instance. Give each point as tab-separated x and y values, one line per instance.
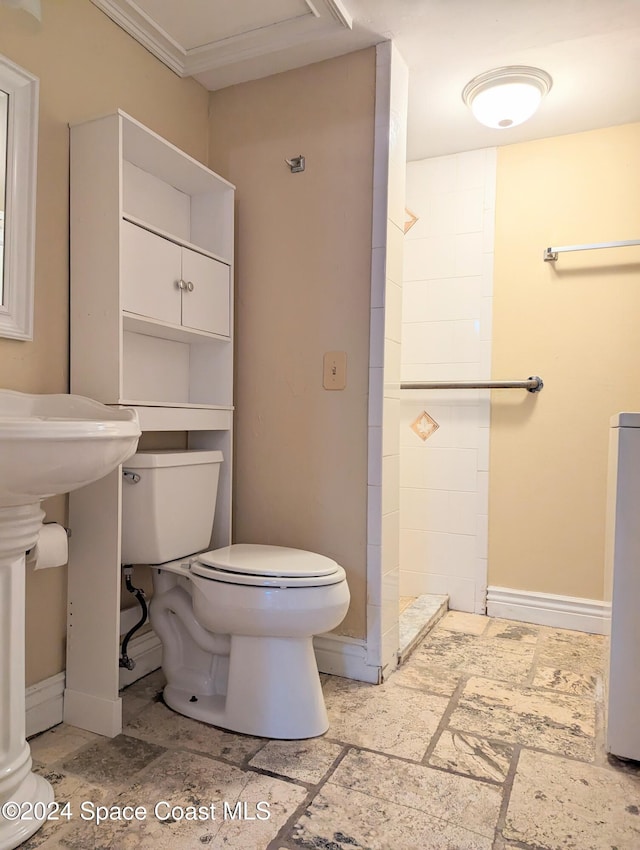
44	701
146	651
129	617
341	656
547	609
344	656
335	654
43	704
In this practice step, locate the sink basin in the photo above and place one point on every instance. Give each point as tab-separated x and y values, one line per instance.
52	444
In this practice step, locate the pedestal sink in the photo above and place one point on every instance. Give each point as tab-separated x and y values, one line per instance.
49	444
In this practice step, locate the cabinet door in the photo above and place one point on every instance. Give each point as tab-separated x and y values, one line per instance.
205	300
150	274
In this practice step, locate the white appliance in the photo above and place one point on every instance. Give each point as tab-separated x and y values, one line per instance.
622	587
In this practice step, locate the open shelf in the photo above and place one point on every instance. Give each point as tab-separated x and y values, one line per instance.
148	326
165	234
189	417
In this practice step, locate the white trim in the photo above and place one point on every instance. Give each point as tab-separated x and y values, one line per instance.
43	704
16	303
146	32
322	19
335	654
129	618
341	656
340	13
548	609
104	716
372	649
44	701
344	656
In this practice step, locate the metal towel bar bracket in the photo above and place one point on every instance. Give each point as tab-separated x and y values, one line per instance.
533	384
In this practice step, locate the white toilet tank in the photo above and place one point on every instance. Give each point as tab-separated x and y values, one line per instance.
168	512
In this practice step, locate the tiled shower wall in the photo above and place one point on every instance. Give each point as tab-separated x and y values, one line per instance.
446	335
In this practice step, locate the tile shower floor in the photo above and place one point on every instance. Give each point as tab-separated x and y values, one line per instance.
489	737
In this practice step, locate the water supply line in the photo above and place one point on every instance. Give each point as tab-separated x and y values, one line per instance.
125	661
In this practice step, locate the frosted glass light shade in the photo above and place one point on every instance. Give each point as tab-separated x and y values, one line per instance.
506	97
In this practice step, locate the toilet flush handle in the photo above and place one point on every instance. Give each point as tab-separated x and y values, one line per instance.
130	477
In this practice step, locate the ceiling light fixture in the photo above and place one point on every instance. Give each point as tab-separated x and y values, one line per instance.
506	97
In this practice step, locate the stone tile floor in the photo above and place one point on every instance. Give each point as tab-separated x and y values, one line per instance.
489	737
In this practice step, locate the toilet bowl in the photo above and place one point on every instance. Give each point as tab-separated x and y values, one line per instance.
236	623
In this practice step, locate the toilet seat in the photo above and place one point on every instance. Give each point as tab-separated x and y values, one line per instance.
267	566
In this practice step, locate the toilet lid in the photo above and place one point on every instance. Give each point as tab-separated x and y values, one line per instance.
254	564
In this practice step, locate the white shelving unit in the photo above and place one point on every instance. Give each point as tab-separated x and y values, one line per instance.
151	328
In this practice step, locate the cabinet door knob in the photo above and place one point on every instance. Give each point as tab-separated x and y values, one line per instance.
190	286
181	284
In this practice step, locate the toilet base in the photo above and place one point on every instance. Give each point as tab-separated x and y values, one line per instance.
273	691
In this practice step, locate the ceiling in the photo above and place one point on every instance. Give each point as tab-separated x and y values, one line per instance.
591	48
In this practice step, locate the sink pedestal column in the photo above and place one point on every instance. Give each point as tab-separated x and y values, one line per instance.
19	528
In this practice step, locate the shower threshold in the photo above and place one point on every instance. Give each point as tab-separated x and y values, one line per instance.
417	619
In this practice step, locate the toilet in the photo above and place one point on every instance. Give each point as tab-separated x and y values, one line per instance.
237	623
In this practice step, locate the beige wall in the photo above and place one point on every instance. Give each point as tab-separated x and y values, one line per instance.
87	66
303	272
303	287
575	323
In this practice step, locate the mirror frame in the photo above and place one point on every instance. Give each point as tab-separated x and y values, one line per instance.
16	307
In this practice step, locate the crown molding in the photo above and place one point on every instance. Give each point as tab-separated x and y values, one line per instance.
145	31
323	18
